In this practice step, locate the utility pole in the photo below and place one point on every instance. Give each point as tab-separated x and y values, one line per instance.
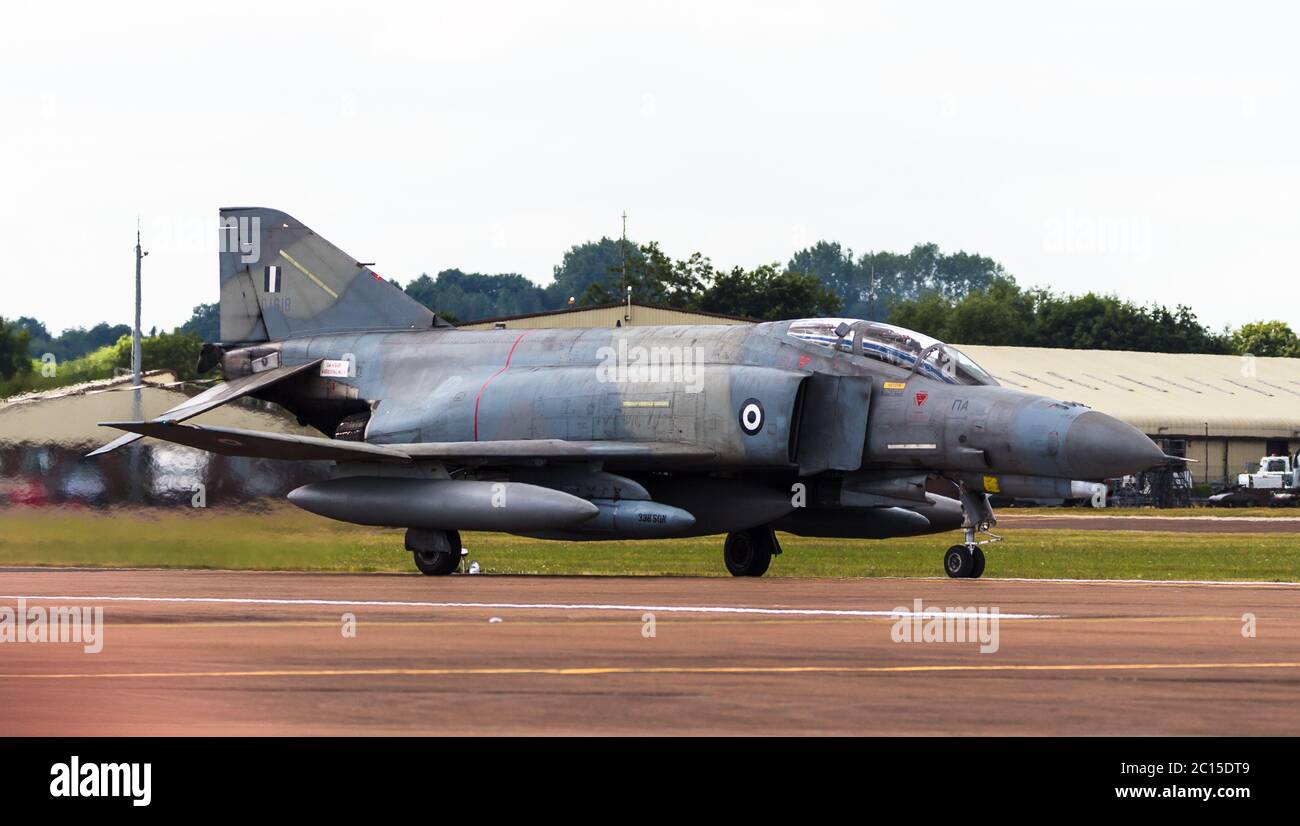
627	316
135	334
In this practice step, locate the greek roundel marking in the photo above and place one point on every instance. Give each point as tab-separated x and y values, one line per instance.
751	416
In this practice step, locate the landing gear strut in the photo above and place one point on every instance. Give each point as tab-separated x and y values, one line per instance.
748	553
966	561
437	553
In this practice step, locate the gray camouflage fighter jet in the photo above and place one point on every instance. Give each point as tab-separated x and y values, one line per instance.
816	427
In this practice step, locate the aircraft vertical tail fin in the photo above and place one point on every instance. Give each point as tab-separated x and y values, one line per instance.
280	280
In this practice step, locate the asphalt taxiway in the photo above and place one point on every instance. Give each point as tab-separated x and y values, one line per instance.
214	652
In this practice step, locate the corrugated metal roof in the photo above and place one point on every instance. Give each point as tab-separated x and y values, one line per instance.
1160	393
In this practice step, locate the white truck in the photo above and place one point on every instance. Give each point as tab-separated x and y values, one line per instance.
1275	473
1275	484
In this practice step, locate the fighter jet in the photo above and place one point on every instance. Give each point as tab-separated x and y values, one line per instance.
820	427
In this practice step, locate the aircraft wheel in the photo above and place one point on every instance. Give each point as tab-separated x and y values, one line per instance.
748	553
977	570
438	562
958	562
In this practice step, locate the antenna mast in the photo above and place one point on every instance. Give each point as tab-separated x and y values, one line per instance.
627	315
135	333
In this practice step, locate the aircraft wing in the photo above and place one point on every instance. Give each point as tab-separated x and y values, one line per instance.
214	396
231	441
536	451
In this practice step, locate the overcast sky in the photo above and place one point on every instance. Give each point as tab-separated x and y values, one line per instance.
1148	149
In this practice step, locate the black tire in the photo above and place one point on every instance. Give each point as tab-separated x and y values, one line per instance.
440	563
435	563
749	553
977	570
453	539
958	562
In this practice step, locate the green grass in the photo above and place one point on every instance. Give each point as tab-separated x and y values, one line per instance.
283	538
1180	513
96	365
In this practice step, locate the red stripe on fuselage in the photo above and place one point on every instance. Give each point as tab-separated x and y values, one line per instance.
504	367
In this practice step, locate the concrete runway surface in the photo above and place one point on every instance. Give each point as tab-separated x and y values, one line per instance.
1085	521
213	652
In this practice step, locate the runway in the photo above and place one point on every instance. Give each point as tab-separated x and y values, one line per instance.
1085	521
213	652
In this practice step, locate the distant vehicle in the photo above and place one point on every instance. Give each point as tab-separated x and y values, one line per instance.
1275	473
825	427
1275	484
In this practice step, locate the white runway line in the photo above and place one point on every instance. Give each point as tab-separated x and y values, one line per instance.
1218	583
1282	520
537	606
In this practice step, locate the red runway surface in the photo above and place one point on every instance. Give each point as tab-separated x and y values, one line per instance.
1085	521
194	652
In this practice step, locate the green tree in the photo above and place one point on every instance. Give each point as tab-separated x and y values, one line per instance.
873	284
175	351
767	293
1266	338
1005	314
835	267
1002	314
72	343
654	278
205	322
14	358
929	314
455	294
583	265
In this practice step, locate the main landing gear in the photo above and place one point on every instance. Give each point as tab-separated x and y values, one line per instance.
748	553
437	553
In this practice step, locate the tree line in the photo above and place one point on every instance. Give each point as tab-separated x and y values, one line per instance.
599	272
822	279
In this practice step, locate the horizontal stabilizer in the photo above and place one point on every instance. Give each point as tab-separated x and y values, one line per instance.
230	441
213	397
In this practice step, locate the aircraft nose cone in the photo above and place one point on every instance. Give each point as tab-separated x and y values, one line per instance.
1098	446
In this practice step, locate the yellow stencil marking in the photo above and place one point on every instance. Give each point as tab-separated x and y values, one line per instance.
287	257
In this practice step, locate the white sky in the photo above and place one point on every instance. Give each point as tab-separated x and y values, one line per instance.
1144	148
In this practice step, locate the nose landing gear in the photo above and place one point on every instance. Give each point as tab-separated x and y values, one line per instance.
967	561
964	561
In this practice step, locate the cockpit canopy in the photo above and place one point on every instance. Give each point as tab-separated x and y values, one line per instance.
893	345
